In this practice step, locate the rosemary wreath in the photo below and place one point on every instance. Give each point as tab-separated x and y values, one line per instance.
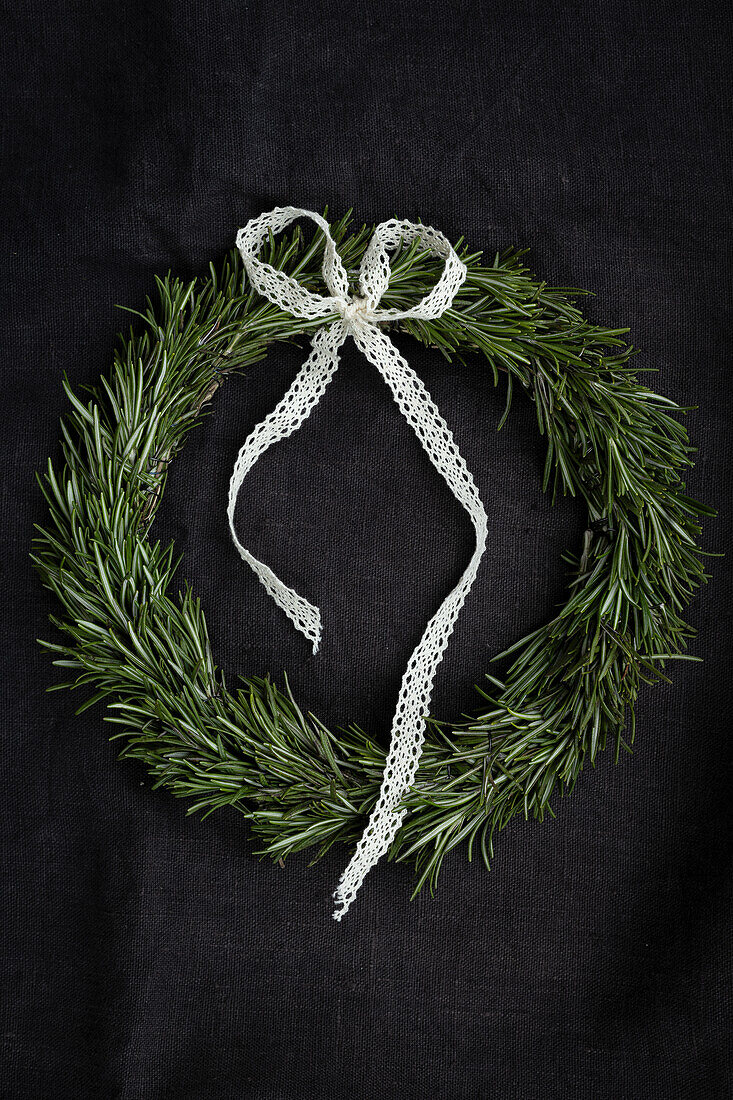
571	685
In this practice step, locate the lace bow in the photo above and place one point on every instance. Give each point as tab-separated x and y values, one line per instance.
359	316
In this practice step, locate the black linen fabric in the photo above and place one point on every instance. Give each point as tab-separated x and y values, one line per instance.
149	955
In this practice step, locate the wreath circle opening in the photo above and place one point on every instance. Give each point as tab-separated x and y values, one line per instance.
571	685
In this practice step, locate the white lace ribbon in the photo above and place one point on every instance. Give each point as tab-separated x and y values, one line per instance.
359	317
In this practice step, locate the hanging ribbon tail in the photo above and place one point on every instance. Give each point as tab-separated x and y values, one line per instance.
408	727
295	407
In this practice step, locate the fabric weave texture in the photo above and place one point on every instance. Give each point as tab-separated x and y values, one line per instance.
150	956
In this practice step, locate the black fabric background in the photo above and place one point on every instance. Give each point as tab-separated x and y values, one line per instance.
152	956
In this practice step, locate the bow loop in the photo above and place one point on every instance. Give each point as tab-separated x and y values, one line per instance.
281	288
375	271
359	317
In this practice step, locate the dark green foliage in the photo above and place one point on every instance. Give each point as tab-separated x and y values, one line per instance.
572	683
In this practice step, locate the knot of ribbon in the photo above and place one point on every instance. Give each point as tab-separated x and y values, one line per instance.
359	317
